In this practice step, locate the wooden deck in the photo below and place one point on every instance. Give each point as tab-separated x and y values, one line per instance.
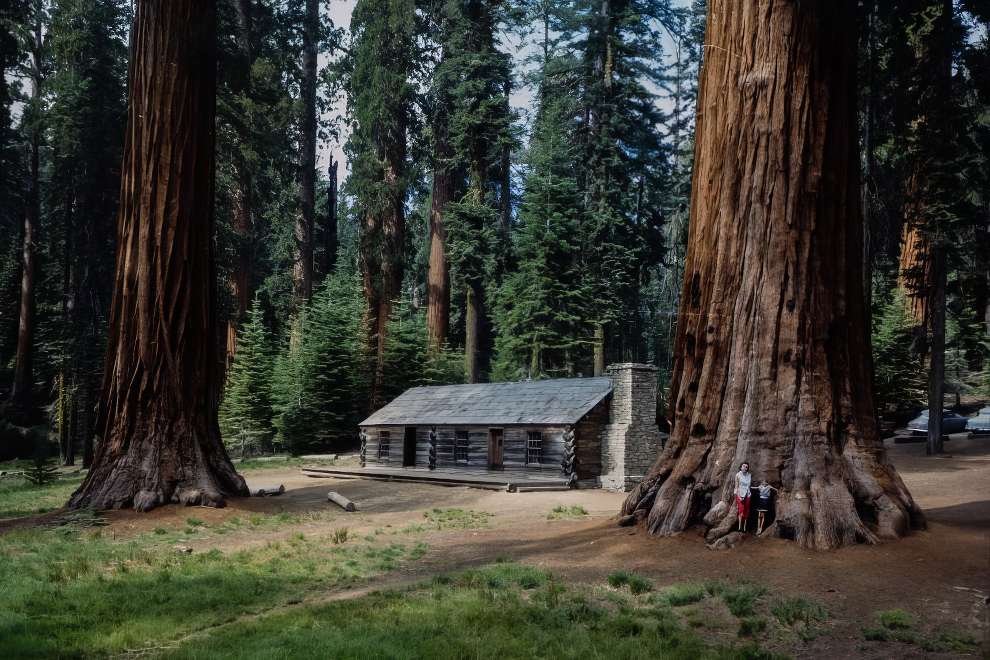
508	480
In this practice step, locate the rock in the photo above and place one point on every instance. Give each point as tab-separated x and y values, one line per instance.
728	541
183	549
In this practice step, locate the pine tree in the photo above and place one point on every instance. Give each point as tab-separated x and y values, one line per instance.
379	102
624	168
541	306
898	382
409	359
321	377
87	39
246	411
478	76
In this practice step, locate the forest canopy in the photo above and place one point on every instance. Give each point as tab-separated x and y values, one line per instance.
448	191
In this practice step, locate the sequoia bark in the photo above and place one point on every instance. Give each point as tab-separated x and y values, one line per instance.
157	422
772	350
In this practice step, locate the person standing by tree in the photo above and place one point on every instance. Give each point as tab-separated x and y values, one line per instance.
743	482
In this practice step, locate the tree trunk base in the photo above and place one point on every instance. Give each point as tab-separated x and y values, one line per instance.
156	471
855	499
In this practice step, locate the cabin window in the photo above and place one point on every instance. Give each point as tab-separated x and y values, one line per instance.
534	447
461	443
384	444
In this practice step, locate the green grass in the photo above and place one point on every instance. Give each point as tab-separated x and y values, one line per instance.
803	616
561	512
636	583
74	591
457	518
679	595
502	611
896	619
19	497
741	599
898	625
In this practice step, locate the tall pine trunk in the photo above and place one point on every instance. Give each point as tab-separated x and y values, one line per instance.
20	396
240	281
772	347
303	271
159	438
438	276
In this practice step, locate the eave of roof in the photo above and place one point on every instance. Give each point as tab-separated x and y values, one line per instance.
541	402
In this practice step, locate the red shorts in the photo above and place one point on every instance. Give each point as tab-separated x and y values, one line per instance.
742	506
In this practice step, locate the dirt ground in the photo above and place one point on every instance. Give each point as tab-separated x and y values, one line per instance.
941	574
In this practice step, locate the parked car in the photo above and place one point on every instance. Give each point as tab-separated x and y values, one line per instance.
979	425
951	423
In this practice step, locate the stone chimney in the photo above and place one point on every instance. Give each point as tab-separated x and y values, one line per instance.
631	440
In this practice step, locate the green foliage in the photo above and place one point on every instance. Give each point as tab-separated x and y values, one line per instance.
246	412
898	378
741	598
42	471
408	362
541	308
896	619
679	595
637	584
320	386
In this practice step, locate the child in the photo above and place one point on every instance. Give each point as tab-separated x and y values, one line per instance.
765	491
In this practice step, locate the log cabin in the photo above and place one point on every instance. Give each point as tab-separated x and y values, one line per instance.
592	432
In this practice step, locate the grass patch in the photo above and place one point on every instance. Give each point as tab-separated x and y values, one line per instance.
751	626
637	584
679	595
19	497
561	512
900	626
803	616
457	518
73	592
463	616
895	620
741	598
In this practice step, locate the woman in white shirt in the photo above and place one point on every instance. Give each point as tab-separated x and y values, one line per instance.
743	481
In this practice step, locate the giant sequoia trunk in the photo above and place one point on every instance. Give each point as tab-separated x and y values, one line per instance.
303	271
158	421
438	277
382	241
772	352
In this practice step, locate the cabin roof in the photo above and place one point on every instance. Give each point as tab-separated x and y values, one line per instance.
537	402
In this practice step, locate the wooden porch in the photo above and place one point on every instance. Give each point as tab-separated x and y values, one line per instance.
507	480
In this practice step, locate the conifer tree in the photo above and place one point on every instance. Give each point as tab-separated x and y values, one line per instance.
898	381
540	311
623	167
88	43
379	103
478	74
321	377
246	411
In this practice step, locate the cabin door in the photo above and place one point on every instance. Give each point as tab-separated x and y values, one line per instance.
495	449
409	447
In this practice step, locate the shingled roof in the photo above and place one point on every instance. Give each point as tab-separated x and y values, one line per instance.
558	401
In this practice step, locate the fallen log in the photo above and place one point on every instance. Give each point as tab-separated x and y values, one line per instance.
341	501
268	491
